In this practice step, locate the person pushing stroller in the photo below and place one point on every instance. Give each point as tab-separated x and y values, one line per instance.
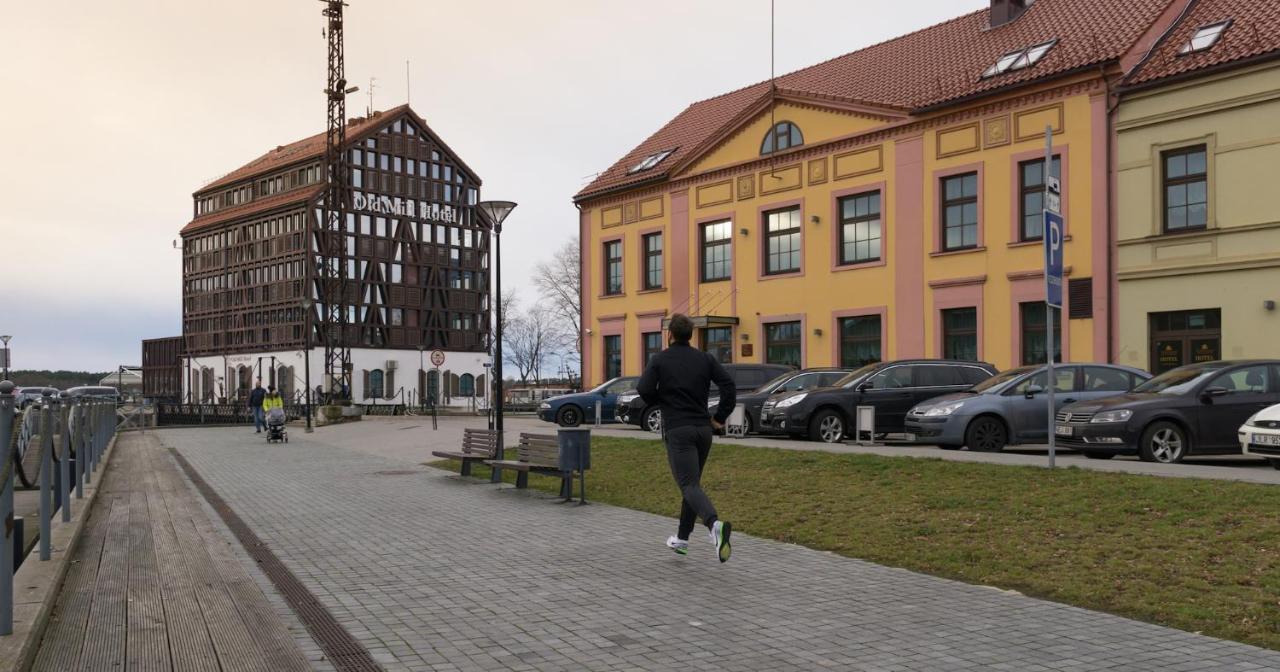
273	407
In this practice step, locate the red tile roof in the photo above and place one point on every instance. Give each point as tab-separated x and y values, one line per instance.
1254	32
259	205
928	68
301	150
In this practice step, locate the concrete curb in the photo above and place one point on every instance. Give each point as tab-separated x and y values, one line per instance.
37	583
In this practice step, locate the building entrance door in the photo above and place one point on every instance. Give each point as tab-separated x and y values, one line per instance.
1184	337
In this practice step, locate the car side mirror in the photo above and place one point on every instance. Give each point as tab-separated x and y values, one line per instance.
1210	392
863	387
1033	390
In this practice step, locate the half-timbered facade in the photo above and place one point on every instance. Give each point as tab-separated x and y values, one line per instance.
417	269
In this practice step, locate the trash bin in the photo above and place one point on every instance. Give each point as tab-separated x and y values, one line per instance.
575	455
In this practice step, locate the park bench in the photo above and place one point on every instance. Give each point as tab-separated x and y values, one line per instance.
478	445
538	453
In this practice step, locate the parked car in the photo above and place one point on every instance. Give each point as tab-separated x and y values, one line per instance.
94	391
1013	406
571	410
745	377
1191	410
1260	435
792	381
25	396
893	388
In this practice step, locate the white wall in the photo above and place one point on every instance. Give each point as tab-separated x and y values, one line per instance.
362	359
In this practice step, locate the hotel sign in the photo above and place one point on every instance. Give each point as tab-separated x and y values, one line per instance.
388	205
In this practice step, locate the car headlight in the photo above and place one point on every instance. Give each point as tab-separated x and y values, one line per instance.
792	400
943	409
544	406
1113	416
1252	421
627	398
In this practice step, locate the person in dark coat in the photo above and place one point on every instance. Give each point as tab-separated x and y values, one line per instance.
256	397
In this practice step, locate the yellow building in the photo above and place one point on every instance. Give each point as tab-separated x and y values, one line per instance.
1198	152
882	205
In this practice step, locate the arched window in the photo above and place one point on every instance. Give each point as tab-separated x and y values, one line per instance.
467	385
784	135
375	383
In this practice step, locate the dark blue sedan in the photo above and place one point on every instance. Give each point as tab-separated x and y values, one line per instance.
571	410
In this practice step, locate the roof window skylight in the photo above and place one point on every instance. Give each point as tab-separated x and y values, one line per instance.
1017	60
1204	38
651	161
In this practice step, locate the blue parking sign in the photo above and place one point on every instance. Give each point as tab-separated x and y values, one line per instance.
1053	258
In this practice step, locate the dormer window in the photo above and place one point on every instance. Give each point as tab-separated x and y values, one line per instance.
651	161
1020	59
784	135
1204	38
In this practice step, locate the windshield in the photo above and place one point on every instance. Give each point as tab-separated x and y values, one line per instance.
856	375
773	383
1001	378
1177	381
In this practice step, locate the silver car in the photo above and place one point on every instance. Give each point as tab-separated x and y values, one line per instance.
1013	407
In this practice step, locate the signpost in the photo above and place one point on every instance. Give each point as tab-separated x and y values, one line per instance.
437	360
1053	225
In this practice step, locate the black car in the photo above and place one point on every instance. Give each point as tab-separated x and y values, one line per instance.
791	381
827	413
633	410
1191	410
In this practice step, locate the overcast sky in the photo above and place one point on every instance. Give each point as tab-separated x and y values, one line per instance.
117	111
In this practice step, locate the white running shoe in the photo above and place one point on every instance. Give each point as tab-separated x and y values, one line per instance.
720	537
678	545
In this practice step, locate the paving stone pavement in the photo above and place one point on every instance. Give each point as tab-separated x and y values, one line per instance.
429	571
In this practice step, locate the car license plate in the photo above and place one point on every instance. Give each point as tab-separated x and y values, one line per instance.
1267	439
1063	430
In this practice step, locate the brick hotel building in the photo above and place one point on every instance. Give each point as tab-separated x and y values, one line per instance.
417	258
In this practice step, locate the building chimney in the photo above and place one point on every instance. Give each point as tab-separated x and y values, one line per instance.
1005	11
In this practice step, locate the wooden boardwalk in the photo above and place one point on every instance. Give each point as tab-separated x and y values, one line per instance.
153	586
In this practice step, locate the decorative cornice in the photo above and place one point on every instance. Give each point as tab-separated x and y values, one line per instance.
1082	84
958	282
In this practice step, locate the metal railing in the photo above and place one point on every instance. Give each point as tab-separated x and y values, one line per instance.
216	414
72	435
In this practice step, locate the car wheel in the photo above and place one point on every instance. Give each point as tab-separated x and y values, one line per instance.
653	420
1163	442
986	434
827	426
1275	464
1095	455
569	416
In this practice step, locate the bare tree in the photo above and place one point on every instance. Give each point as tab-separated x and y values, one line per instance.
560	282
530	336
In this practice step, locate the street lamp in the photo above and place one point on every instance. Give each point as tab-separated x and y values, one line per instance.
497	211
306	355
6	338
422	374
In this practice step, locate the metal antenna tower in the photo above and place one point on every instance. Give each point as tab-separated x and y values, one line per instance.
330	234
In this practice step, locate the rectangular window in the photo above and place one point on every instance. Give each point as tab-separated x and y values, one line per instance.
652	345
717	251
782	343
860	228
960	334
613	267
1033	333
612	356
859	340
1031	186
653	261
960	212
719	342
1186	189
782	241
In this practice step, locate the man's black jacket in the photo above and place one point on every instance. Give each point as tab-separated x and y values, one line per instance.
256	397
678	381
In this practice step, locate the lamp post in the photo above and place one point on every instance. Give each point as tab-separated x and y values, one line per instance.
422	374
306	356
497	211
6	338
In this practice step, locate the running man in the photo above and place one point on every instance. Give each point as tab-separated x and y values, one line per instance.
678	381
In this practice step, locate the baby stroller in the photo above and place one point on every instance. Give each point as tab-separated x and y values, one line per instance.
275	426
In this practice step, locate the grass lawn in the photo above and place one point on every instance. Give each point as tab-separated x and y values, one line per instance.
1194	554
